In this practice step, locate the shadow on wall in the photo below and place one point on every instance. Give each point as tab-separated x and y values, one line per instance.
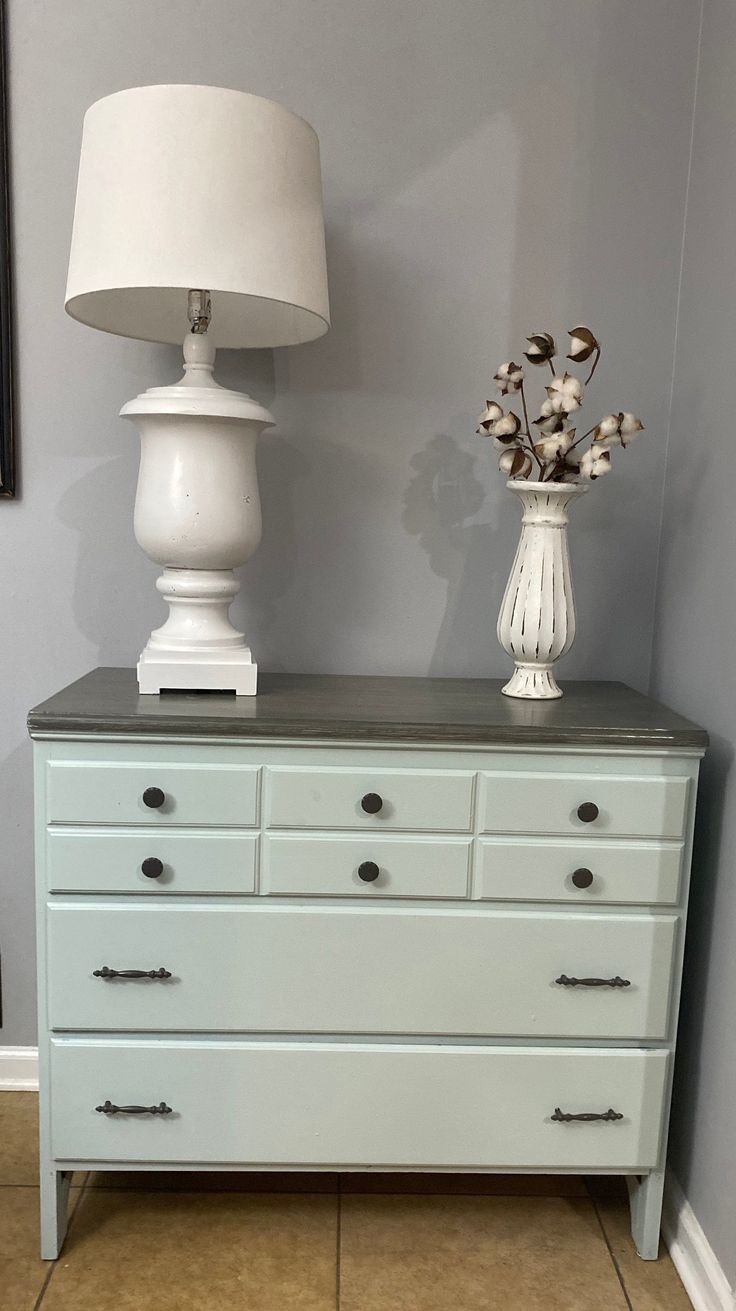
707	858
115	603
441	503
311	532
282	466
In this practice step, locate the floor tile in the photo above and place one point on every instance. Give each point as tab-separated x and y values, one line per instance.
22	1272
490	1185
197	1252
215	1181
19	1138
474	1254
651	1285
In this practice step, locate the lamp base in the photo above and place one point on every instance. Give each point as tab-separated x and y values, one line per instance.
197	649
196	674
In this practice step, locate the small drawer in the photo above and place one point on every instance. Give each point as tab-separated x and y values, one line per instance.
123	860
269	968
592	872
156	794
366	866
377	800
584	805
343	1105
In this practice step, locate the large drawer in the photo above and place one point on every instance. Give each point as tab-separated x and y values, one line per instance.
322	969
337	799
112	860
549	803
633	873
356	1105
366	866
103	792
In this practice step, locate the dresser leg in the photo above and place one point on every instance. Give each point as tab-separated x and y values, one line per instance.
54	1202
645	1200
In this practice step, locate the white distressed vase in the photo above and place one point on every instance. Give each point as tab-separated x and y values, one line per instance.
536	624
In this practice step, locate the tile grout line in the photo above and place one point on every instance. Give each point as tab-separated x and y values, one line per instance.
614	1262
55	1262
338	1242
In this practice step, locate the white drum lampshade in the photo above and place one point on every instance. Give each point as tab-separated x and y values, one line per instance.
198	205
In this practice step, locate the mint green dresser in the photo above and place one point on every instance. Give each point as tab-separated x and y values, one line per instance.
360	924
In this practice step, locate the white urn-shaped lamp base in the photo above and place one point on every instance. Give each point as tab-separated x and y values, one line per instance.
198	514
536	624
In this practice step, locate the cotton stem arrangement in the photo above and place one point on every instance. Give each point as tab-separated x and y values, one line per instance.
548	449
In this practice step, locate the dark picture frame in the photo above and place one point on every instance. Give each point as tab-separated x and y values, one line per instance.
7	442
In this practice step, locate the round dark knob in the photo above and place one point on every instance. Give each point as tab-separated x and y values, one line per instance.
588	812
371	803
152	867
582	878
368	871
154	798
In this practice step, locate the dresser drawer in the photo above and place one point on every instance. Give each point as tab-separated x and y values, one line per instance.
583	804
102	792
603	872
365	866
269	969
355	1105
110	860
369	799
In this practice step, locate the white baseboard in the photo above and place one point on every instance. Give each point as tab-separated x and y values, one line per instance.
692	1255
18	1069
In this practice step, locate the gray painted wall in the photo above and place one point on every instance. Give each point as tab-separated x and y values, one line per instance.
695	641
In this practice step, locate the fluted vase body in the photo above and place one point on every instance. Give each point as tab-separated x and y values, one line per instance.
536	624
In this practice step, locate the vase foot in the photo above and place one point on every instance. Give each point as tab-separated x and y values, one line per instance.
533	683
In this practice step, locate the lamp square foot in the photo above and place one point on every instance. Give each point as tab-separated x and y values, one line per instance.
198	673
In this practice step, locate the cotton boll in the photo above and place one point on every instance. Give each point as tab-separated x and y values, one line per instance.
554	422
505	430
630	427
551	448
609	426
541	348
516	463
492	413
582	344
565	394
595	463
508	377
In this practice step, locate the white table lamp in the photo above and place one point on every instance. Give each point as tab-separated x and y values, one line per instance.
198	208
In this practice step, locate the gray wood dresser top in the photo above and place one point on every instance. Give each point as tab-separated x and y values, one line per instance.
355	708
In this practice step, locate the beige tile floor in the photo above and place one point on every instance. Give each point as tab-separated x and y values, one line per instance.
320	1243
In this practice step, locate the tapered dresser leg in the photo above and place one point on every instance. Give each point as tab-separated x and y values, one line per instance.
54	1211
645	1200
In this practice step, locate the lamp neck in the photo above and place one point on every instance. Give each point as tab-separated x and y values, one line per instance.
199	360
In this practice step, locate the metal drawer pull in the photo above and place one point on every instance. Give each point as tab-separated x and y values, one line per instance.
371	803
152	867
563	1117
107	973
581	878
588	812
109	1108
368	871
154	798
616	982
